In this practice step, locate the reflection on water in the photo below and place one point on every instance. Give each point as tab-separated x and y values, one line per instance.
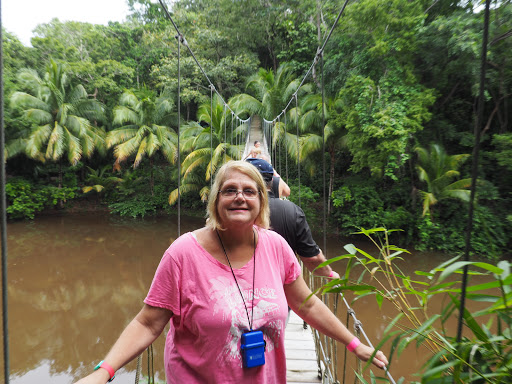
76	281
74	284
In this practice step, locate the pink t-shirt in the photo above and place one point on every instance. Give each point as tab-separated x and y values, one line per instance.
203	344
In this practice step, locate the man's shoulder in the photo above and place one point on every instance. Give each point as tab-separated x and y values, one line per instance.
284	204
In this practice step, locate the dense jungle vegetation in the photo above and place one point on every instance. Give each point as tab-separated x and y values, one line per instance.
91	111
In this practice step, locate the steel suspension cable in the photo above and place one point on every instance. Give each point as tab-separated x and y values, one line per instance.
185	43
211	135
286	149
298	141
279	143
179	38
320	50
225	134
474	167
3	209
323	156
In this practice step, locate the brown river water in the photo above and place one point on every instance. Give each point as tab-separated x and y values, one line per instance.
75	281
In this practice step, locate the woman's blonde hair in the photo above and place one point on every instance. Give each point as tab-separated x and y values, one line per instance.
263	218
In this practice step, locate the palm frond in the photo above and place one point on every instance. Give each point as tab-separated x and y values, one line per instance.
141	151
127	148
56	143
120	135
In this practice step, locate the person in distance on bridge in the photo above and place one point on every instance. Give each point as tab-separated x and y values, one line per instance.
279	186
210	281
289	220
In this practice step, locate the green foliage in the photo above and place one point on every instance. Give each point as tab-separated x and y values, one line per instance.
483	354
446	232
65	120
138	205
132	197
503	154
359	205
308	200
24	199
397	75
437	170
100	180
380	118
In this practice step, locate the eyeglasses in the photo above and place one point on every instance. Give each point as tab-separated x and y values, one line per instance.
248	193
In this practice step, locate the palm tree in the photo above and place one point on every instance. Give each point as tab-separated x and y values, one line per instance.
269	92
438	170
64	117
99	180
310	130
142	131
207	148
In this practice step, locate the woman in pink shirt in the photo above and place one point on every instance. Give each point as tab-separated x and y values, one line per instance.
225	289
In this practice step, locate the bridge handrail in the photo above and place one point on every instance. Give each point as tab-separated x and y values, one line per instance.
327	362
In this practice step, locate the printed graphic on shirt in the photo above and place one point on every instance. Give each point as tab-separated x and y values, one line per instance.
227	300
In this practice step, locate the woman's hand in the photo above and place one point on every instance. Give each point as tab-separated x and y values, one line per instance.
364	352
97	377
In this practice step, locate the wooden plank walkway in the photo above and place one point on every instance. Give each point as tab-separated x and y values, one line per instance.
301	363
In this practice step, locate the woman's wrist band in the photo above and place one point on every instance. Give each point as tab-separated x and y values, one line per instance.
108	368
353	344
332	274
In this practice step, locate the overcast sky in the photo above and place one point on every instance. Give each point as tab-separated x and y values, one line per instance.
22	16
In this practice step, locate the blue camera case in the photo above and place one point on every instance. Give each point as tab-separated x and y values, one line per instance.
253	349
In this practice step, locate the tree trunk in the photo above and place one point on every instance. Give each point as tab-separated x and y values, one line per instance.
151	179
60	203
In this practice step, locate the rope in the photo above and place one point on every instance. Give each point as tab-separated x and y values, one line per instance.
139	367
151	366
3	209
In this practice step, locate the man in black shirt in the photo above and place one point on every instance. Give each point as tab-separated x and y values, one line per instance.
289	220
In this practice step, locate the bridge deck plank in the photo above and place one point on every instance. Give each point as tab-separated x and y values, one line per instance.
301	363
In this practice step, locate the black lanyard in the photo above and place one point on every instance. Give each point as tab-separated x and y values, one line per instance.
251	321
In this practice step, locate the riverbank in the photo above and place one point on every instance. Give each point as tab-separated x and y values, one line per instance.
92	204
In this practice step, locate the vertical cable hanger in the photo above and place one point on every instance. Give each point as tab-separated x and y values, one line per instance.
298	141
279	142
321	55
285	148
231	136
179	38
211	135
3	208
225	134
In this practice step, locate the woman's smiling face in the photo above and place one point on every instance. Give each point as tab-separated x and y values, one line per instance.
237	212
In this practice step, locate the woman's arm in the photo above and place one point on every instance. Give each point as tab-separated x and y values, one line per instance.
136	337
284	189
317	315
